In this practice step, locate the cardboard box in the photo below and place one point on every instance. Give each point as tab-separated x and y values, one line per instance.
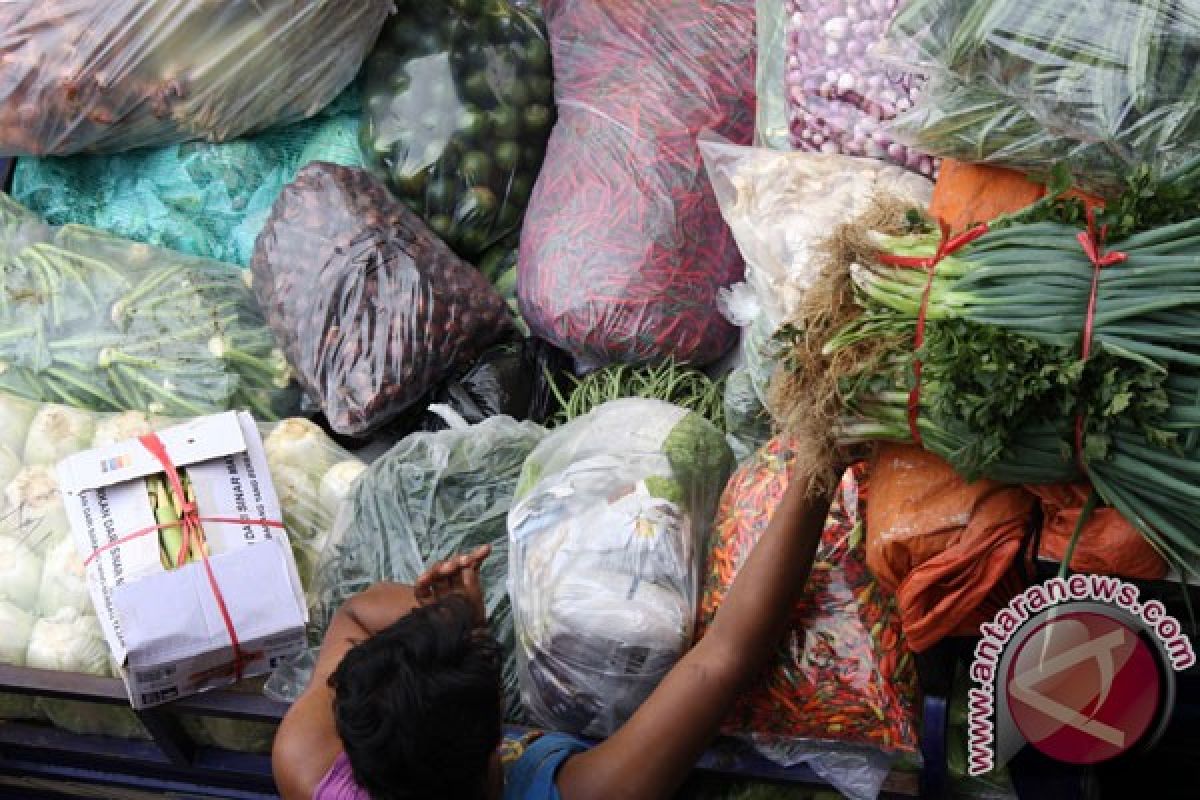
165	628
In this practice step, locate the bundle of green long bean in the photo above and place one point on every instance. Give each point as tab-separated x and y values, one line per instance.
101	323
1007	390
669	381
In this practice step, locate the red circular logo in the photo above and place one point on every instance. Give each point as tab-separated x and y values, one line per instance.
1083	687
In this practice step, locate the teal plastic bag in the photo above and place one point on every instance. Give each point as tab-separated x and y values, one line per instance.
204	199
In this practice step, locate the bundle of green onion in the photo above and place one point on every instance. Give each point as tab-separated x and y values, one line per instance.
1005	391
168	513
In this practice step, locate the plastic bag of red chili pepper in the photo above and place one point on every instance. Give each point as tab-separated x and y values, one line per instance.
843	673
623	248
371	307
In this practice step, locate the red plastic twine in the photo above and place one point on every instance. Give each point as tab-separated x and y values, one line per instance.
946	246
190	522
1093	244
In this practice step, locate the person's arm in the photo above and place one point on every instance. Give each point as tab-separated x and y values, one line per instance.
652	753
307	744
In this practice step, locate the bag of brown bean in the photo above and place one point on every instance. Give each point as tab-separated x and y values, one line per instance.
371	307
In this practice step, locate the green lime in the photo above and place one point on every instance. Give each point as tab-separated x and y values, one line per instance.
476	168
510	216
508	153
518	94
477	203
505	124
474	123
441	225
537	55
537	119
472	241
477	88
440	195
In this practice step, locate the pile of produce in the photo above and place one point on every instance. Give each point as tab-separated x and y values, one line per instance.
432	496
1031	84
459	105
1036	351
102	323
372	309
838	97
201	198
842	673
623	249
606	544
670	382
45	605
82	76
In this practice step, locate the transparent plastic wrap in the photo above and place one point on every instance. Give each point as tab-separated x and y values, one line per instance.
200	198
499	266
106	324
838	97
460	103
771	127
623	249
432	496
782	208
607	536
1025	80
843	674
747	422
86	76
372	309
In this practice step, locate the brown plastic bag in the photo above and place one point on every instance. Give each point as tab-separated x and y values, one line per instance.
948	548
1108	544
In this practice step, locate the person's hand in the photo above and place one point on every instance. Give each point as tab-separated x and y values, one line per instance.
455	575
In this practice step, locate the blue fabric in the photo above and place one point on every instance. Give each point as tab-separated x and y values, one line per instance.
531	777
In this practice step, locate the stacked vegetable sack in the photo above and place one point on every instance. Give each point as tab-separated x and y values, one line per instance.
45	608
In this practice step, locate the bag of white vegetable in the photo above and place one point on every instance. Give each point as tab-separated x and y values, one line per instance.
838	98
41	577
606	544
433	495
782	208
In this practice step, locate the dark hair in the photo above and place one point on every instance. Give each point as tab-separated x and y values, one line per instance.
418	706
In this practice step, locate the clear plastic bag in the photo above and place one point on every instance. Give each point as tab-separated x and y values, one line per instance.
607	536
107	324
460	103
979	125
432	496
783	206
623	249
200	198
771	129
372	309
843	675
838	98
747	422
1121	81
87	76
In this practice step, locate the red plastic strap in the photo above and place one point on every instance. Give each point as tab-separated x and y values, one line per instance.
946	246
1092	242
190	522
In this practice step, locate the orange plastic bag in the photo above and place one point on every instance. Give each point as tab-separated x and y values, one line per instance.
947	547
966	194
1108	544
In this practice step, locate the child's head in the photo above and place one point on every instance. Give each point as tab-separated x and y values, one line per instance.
417	706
